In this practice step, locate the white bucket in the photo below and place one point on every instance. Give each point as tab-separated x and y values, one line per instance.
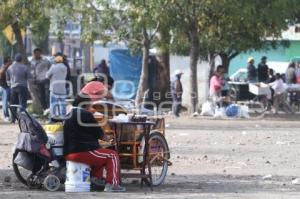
78	177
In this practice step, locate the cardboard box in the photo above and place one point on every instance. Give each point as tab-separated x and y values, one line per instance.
259	88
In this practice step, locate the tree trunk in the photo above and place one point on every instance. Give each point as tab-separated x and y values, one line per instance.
143	83
163	72
42	43
21	47
225	61
212	64
194	56
40	34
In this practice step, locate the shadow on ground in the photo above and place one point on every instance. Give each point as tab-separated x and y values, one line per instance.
186	184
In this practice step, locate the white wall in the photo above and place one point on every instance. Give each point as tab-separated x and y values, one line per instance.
176	62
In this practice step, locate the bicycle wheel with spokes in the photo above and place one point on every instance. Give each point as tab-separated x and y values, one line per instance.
158	157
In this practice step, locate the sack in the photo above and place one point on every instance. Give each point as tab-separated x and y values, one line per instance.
245	111
233	110
28	142
220	113
25	160
207	109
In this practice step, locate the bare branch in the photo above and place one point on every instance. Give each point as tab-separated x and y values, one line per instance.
155	31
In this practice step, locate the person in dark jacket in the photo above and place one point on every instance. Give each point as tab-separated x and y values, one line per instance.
101	69
39	85
5	87
262	70
251	71
18	75
81	144
176	91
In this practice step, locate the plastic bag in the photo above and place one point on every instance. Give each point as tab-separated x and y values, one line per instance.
245	111
207	109
220	113
24	160
233	110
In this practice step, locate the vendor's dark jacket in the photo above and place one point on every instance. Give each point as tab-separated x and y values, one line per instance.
81	132
262	71
252	72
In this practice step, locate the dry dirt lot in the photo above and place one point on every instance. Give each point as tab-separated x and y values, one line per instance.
256	158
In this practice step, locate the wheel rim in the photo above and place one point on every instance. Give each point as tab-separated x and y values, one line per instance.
33	182
52	183
158	156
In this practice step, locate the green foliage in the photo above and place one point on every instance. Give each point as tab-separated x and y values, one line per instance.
232	26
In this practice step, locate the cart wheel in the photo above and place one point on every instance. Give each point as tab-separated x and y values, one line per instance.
233	95
21	173
158	157
258	106
51	183
33	182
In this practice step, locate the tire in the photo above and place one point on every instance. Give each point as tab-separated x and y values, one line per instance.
159	155
52	183
233	95
21	174
258	106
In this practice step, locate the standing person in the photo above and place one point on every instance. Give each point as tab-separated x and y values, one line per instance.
101	69
40	84
297	73
57	75
68	77
18	75
81	144
5	87
291	73
280	97
216	84
262	70
176	91
251	71
271	79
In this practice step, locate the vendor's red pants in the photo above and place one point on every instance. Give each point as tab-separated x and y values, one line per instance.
99	159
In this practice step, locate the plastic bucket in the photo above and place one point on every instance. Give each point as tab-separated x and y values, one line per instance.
55	133
78	177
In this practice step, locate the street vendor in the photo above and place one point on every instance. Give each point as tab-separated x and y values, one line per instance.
216	84
81	144
107	82
280	95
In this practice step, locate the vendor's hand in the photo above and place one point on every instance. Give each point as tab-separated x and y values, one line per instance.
92	110
104	137
111	141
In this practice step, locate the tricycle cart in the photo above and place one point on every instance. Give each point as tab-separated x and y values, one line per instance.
141	143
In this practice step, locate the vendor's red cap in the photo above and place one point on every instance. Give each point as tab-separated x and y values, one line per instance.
95	90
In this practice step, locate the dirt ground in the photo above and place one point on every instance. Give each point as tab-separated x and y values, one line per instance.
211	158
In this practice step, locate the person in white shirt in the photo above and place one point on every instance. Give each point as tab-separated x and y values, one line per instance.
280	95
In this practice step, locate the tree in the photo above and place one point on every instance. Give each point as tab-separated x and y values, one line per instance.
21	14
226	28
134	21
234	26
188	14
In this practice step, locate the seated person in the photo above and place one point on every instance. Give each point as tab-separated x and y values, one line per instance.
81	135
107	82
95	90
